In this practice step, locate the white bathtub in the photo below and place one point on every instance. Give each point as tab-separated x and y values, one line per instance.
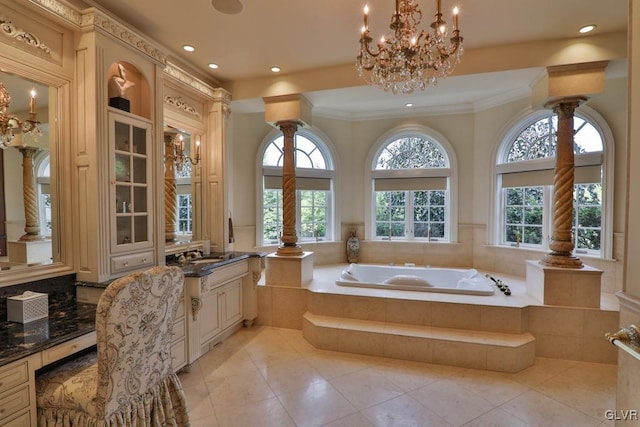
424	279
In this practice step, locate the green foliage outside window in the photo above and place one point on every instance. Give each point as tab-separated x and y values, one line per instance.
523	210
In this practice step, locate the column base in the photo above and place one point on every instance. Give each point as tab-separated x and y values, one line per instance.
292	270
572	287
561	260
35	252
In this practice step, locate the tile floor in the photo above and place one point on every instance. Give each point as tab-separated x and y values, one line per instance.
265	376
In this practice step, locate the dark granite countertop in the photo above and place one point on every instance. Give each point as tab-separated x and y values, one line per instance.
208	263
67	319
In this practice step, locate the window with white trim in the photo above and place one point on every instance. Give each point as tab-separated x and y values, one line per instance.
314	189
411	197
525	172
42	167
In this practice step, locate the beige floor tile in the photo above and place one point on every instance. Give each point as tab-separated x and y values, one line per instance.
266	413
536	409
332	364
266	376
588	387
496	418
316	405
492	386
542	370
287	377
238	390
452	401
403	411
226	365
366	388
353	420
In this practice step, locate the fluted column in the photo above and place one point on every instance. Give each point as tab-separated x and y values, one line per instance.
289	244
170	198
561	244
32	225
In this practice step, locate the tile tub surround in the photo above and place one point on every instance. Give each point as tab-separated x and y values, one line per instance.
573	333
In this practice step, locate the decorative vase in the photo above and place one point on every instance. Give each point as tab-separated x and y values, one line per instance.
353	247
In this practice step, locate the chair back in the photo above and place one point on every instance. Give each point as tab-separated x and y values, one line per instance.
134	322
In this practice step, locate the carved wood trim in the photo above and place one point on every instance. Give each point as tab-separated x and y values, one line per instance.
30	39
177	102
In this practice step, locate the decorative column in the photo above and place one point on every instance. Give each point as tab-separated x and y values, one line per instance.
561	244
170	192
32	225
289	241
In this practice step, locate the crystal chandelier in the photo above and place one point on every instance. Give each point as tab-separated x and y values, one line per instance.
175	153
409	58
10	124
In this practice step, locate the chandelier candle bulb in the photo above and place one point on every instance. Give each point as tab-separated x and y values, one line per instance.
455	18
366	17
198	149
32	102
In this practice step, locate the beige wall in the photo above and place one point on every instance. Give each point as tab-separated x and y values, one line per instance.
474	137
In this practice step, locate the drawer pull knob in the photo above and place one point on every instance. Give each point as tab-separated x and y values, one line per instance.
144	260
126	264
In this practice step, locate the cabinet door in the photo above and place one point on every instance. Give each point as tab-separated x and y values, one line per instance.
209	318
130	175
231	302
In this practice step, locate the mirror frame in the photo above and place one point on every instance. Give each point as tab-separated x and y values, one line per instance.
61	175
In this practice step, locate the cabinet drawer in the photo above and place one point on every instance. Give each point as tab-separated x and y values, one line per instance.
13	375
178	330
23	420
222	275
14	401
131	262
68	348
178	355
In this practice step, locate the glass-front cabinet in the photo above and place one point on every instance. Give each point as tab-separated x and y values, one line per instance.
130	176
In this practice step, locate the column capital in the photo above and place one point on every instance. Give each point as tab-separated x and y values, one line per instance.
565	102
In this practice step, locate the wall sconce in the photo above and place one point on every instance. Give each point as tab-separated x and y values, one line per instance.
10	124
175	152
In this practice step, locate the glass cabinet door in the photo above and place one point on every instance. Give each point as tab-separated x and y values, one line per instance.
130	177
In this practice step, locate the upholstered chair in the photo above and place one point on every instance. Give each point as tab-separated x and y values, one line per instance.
129	380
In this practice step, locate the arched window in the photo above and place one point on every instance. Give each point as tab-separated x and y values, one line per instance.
525	171
315	174
411	180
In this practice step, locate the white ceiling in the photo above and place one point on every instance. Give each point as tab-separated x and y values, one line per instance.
302	35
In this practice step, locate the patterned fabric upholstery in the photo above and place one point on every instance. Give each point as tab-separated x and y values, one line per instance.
129	381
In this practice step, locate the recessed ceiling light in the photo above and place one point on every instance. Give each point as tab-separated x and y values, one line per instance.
188	48
408	104
213	66
587	29
275	69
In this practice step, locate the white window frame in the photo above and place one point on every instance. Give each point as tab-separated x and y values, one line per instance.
331	173
495	228
449	173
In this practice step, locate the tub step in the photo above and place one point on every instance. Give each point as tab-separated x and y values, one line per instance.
504	352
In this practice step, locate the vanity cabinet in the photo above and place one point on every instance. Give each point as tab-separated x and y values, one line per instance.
217	306
17	392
